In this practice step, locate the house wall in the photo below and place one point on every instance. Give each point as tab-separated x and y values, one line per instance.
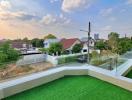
52	59
30	59
85	47
48	42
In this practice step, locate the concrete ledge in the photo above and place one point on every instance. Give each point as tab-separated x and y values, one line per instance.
76	71
126	72
119	80
107	76
27	82
124	68
30	84
1	94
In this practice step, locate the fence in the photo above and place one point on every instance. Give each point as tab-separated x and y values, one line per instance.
128	55
55	60
30	59
36	58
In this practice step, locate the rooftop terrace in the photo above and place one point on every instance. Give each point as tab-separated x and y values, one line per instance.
75	88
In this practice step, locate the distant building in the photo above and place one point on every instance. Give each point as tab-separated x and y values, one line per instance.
96	36
21	46
48	42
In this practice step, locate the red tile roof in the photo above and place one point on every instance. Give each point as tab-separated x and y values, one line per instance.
67	43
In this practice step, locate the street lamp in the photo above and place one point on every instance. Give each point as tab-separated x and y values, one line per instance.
89	30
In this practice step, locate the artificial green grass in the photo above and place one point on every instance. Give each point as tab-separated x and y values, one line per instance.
75	88
129	75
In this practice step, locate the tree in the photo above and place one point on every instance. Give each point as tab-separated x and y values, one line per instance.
4	48
3	57
124	45
25	40
113	34
13	55
113	41
77	48
7	53
101	45
37	42
50	36
55	48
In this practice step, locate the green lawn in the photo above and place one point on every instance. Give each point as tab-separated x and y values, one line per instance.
75	88
129	75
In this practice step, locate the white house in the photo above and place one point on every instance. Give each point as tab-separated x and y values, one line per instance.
84	42
48	42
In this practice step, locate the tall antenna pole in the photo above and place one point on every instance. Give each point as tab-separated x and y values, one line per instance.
89	30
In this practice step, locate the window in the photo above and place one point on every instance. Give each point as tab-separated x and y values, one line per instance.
85	50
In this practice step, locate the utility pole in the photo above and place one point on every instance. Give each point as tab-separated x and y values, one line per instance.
89	30
88	41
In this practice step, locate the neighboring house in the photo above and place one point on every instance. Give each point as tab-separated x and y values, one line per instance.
48	42
68	44
84	41
23	47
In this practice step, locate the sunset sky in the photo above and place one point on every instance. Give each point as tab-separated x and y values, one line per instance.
64	18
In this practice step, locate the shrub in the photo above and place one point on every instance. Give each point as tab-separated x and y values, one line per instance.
61	61
97	62
3	57
71	59
65	52
77	48
95	54
67	59
43	50
8	54
13	55
54	48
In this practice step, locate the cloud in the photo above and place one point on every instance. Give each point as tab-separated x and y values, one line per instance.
106	12
48	19
112	18
55	20
5	5
123	10
106	28
129	2
52	1
72	5
7	15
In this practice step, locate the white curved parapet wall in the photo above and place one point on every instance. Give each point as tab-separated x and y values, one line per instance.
27	82
124	68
